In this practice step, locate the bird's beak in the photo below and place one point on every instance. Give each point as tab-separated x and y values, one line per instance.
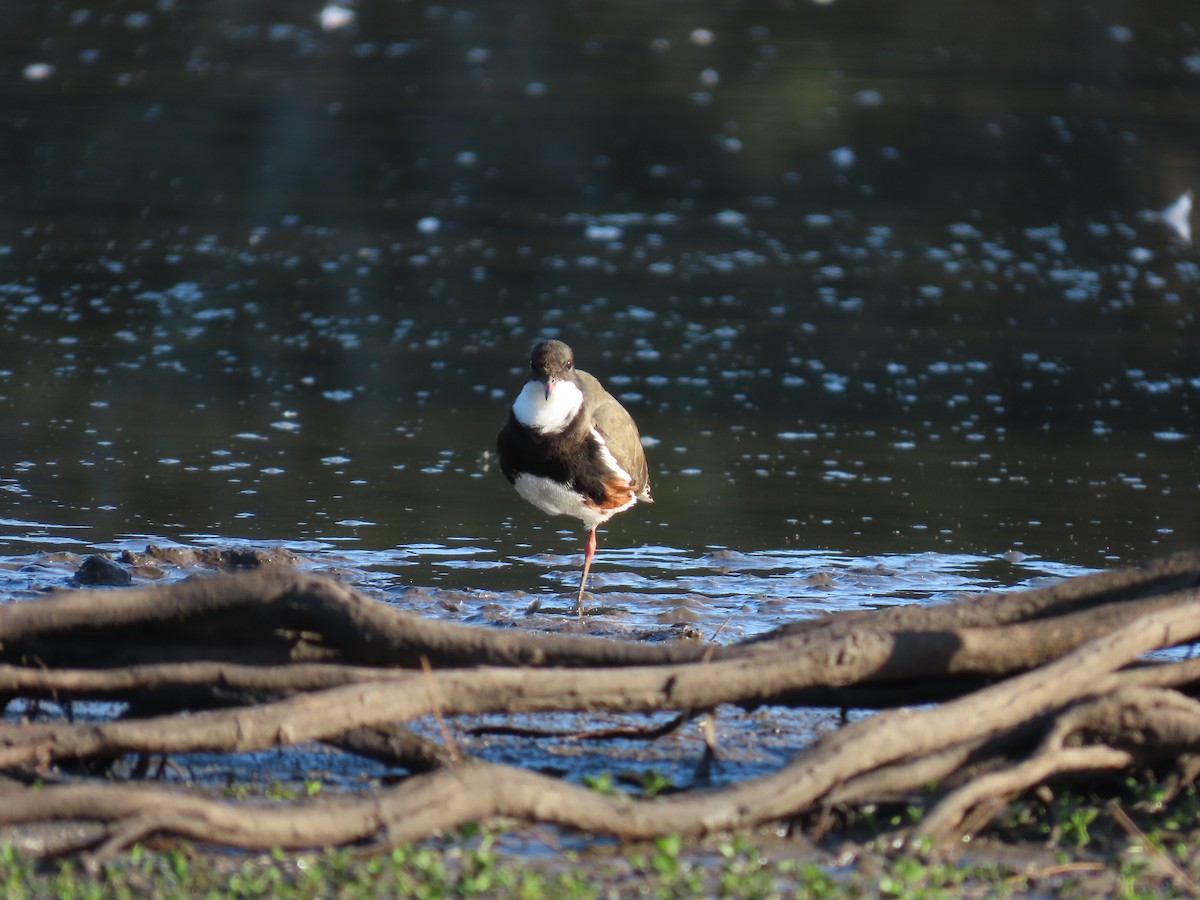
550	383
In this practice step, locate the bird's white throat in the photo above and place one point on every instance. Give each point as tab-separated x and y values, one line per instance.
533	410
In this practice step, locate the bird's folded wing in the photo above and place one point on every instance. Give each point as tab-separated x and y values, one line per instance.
617	428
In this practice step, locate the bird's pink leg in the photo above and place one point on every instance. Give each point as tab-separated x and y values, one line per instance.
589	552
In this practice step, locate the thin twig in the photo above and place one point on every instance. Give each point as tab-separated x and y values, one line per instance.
1181	879
720	628
435	708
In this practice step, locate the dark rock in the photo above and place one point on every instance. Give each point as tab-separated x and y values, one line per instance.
100	571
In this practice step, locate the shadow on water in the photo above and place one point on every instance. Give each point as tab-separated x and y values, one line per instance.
890	290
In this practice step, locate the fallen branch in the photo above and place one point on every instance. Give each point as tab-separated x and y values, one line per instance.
1076	696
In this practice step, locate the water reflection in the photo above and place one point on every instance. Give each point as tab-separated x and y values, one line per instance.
875	281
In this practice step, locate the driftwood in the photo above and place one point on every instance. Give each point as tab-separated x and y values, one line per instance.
1015	689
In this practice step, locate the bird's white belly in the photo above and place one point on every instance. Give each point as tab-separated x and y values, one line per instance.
558	500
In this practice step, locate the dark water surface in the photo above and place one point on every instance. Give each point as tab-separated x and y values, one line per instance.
880	282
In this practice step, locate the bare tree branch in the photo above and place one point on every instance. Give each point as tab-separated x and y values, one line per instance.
1028	686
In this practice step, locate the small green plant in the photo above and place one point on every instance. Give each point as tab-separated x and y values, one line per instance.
745	873
814	883
1129	878
279	791
905	877
654	782
667	874
1149	795
604	783
1075	816
666	854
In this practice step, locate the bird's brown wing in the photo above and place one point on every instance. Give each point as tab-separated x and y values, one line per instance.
619	431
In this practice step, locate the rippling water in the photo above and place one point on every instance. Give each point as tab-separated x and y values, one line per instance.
893	293
648	592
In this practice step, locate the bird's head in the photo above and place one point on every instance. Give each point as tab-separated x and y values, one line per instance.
550	363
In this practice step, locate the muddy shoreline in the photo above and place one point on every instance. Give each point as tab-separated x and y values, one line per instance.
1052	840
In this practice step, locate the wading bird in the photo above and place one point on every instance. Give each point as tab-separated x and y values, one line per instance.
570	448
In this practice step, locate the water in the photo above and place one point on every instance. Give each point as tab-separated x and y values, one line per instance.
646	592
884	288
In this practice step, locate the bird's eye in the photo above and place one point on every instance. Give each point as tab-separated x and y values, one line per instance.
570	365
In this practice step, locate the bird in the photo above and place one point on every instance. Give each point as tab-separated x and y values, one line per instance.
569	448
